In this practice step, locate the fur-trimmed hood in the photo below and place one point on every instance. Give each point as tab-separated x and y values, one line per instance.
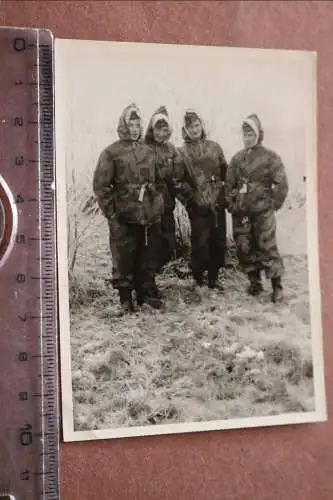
122	129
190	116
160	114
253	121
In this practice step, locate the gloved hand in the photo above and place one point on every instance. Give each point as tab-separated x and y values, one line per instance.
151	189
231	209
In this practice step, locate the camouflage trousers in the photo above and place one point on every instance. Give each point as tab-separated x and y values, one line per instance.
167	240
133	249
208	242
255	238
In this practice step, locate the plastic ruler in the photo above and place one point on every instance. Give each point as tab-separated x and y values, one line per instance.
28	279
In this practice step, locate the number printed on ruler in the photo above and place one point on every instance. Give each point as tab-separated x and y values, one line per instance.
28	341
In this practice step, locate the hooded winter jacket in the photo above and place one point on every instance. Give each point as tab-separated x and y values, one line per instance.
169	165
256	178
206	168
125	177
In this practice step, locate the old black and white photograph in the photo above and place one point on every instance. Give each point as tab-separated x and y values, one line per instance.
188	258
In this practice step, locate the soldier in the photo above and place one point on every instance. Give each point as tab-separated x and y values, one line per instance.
256	187
124	184
206	167
168	170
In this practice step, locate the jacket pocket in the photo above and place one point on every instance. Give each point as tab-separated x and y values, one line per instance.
128	207
153	207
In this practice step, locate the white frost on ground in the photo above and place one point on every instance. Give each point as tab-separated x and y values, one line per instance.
208	355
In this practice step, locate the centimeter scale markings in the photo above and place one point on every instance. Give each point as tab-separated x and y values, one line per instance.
28	292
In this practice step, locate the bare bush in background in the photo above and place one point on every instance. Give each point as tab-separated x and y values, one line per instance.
82	214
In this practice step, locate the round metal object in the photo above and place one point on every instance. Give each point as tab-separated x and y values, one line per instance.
8	221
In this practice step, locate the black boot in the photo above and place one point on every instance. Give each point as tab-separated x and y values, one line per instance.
213	273
126	302
212	279
139	296
277	294
149	295
152	299
212	283
198	277
255	287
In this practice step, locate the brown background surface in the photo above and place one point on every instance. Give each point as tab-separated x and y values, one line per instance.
294	462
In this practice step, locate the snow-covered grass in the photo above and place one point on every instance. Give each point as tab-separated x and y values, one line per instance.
207	355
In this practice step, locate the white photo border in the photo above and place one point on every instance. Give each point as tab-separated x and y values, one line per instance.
320	414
